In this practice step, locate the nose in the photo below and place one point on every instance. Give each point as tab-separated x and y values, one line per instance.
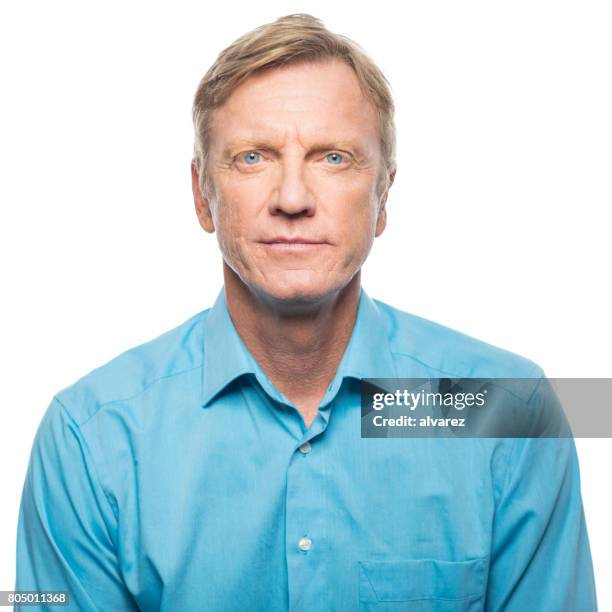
292	195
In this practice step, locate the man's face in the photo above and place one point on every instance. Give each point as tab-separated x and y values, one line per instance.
294	167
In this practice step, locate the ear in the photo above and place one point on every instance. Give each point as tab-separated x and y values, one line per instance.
381	221
202	204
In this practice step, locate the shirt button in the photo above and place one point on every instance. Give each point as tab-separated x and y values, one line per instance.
305	544
305	448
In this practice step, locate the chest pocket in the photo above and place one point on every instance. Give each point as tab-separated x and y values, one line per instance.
422	585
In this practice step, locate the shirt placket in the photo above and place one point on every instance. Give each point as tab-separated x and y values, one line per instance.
307	537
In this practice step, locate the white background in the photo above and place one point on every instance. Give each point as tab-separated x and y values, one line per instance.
499	220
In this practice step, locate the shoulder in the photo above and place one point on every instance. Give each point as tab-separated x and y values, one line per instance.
129	373
444	351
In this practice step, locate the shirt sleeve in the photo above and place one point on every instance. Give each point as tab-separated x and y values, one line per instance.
540	557
66	523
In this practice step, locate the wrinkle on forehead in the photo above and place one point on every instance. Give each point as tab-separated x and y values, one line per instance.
297	103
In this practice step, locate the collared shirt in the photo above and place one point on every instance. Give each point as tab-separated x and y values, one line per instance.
177	477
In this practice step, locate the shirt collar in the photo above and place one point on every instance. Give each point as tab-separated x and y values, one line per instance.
226	357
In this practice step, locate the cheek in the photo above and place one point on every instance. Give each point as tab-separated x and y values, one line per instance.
356	214
240	202
234	216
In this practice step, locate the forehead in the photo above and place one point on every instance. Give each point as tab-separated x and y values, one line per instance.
313	99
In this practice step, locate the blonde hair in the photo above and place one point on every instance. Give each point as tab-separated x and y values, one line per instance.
289	40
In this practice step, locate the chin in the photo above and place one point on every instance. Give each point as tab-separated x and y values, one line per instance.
297	290
296	294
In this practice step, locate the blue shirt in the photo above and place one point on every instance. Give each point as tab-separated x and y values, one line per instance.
176	477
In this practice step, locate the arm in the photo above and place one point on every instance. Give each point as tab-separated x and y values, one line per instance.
66	523
540	557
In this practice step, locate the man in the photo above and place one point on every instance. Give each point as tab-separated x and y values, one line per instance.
220	466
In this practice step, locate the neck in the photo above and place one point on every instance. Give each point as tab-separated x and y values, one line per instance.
298	346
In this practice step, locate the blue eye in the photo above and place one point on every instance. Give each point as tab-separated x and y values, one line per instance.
251	157
334	158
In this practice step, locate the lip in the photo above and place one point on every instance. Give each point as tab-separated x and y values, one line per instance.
295	240
293	245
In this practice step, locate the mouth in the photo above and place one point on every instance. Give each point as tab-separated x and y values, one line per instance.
298	244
